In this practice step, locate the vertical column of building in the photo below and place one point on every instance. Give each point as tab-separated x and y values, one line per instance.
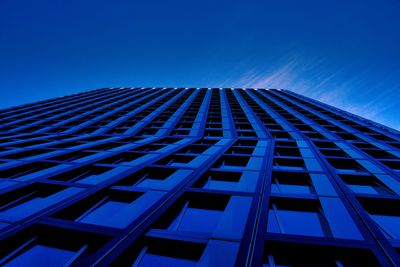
316	132
240	171
368	186
280	130
313	201
180	225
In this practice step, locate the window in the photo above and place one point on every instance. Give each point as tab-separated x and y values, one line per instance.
27	153
213	133
240	150
193	149
106	146
291	183
289	164
150	147
244	181
346	165
333	153
287	152
325	144
72	156
49	255
245	143
219	180
161	252
206	142
26	169
195	213
379	154
363	184
26	201
234	161
172	160
121	158
155	178
113	208
192	218
298	217
389	224
40	246
84	174
393	164
385	213
279	254
67	144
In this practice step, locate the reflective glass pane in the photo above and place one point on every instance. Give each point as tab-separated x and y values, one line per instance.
300	222
40	255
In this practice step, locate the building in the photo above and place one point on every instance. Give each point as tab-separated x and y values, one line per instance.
196	177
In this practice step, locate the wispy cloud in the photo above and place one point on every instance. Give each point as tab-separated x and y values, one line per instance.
355	94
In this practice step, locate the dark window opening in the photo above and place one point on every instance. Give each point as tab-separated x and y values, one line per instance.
148	173
292	254
161	252
25	169
234	161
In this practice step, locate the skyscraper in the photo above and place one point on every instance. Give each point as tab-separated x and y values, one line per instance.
196	177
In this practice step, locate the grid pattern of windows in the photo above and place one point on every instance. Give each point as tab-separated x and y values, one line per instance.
196	177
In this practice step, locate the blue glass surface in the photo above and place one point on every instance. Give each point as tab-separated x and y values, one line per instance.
389	224
103	212
368	189
152	260
333	208
39	255
31	205
306	223
196	220
291	189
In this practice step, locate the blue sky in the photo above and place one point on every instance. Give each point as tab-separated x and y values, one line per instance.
345	53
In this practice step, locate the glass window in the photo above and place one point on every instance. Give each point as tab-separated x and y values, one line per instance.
162	252
220	180
300	222
291	189
291	183
367	189
385	212
289	164
26	201
40	255
112	208
102	212
43	245
196	220
285	254
291	218
151	260
363	184
389	224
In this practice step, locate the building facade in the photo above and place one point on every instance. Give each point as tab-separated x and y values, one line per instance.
196	177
